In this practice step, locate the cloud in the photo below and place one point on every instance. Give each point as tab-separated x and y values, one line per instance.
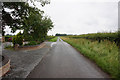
76	17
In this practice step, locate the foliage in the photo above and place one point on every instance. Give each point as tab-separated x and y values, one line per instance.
8	38
18	39
19	12
36	26
49	37
105	53
29	19
101	36
61	34
53	39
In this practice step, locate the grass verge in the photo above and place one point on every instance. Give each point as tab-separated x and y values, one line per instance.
105	53
53	39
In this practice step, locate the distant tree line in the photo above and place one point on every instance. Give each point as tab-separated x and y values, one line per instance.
61	34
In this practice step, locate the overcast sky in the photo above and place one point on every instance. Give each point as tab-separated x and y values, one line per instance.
82	16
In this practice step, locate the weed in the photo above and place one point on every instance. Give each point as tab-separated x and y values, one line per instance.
105	53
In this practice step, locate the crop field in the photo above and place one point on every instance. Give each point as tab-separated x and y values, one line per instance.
113	37
104	52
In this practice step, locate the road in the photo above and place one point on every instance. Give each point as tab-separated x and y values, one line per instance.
63	61
24	61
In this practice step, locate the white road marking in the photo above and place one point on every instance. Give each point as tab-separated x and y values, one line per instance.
53	43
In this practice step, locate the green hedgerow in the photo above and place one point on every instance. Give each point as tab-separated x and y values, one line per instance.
18	39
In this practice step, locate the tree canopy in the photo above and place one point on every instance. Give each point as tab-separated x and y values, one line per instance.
37	26
29	19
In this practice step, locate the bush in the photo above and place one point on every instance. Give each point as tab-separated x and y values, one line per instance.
8	38
18	39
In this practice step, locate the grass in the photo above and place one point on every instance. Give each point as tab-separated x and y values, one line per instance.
104	54
113	37
53	39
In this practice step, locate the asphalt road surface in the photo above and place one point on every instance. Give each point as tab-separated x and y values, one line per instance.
63	61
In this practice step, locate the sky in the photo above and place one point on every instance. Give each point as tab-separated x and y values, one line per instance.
81	16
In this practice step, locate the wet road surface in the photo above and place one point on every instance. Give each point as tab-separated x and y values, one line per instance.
63	61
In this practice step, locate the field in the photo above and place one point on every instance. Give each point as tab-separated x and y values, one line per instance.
104	53
53	39
113	37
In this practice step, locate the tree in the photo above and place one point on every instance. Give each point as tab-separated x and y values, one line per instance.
14	18
29	19
37	26
20	11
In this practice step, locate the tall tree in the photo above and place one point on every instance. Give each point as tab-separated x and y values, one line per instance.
37	26
19	11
